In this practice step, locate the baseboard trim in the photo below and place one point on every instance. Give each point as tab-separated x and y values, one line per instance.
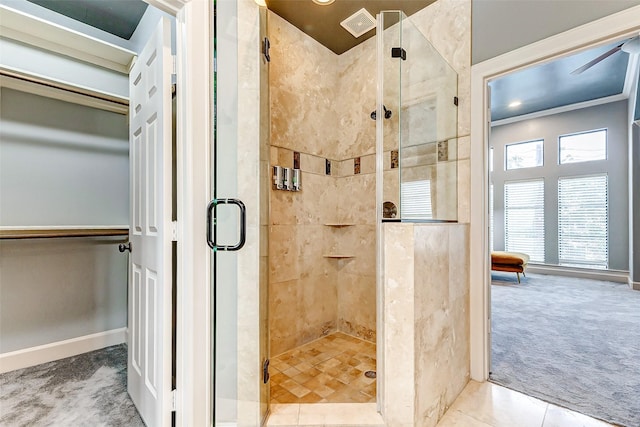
633	285
581	273
59	350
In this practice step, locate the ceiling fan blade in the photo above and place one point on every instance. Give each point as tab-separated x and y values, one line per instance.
590	64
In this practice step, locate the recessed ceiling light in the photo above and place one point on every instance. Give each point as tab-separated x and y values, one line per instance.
515	104
323	2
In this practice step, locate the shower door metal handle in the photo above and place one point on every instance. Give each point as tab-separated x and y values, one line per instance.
212	222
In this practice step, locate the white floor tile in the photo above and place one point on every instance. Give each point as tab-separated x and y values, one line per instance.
499	407
340	414
479	405
283	415
459	419
561	417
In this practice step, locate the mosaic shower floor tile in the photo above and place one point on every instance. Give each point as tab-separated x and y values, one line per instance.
328	370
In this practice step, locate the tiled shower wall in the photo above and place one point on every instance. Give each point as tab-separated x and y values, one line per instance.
312	294
320	107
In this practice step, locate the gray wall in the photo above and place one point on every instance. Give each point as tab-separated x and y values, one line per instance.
500	26
612	116
57	289
61	163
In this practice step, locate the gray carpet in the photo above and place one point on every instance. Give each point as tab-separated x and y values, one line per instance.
572	342
85	390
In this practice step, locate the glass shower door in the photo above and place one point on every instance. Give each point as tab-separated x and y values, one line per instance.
418	143
239	218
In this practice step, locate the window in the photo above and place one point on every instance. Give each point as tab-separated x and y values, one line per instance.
583	147
524	154
415	200
524	218
491	159
582	222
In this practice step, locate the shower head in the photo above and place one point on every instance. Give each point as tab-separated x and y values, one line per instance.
387	113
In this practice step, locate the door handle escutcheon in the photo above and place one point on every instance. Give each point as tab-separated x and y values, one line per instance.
212	222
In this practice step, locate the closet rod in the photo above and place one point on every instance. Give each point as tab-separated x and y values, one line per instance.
62	233
42	86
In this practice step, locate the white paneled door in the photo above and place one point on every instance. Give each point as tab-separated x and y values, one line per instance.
149	364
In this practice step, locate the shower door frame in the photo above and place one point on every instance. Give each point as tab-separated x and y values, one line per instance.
192	68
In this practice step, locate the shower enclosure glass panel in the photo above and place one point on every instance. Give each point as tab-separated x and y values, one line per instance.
239	278
420	149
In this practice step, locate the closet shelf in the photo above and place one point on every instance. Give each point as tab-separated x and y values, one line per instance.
338	256
42	233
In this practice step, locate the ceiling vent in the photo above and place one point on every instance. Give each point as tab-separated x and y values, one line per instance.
359	23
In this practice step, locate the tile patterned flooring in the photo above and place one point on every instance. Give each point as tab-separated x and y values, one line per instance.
328	370
479	405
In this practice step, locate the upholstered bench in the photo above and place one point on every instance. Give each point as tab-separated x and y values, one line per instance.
513	262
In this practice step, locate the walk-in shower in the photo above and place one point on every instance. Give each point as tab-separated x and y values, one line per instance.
324	310
364	268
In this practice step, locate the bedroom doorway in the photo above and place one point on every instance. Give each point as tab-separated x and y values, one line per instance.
497	158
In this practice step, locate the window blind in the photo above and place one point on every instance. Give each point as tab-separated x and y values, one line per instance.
524	218
415	200
583	227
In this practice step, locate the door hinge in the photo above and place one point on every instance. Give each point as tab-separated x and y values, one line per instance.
174	231
266	45
265	371
173	400
398	52
455	101
174	66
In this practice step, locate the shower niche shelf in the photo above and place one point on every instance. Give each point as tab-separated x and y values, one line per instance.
338	224
338	256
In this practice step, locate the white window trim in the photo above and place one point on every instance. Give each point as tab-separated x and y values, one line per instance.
606	145
506	148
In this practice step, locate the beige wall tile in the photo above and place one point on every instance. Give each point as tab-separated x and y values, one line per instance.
299	117
312	164
464	147
285	322
368	164
319	306
459	261
464	191
360	241
357	305
399	350
318	199
283	253
442	325
311	248
284	206
358	200
357	91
